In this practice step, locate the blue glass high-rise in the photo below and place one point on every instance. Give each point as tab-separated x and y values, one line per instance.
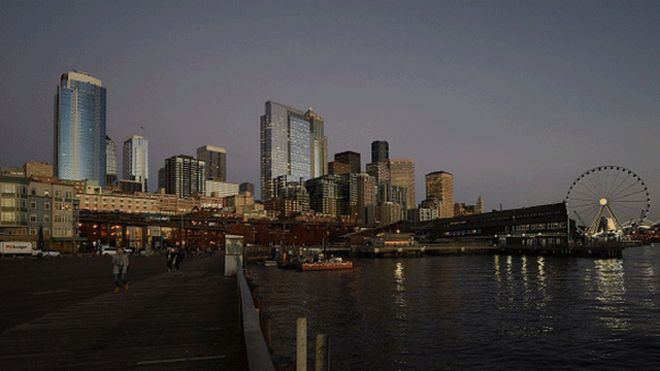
80	126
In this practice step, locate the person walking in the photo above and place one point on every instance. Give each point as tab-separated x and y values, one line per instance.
120	269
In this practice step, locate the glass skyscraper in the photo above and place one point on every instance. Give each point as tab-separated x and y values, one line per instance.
136	160
292	144
80	122
111	162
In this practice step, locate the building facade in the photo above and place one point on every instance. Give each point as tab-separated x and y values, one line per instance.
338	168
185	176
80	127
402	174
136	160
366	199
440	185
324	194
291	145
246	187
215	159
350	158
111	171
380	151
221	189
37	168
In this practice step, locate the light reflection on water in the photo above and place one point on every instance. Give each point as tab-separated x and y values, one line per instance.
474	311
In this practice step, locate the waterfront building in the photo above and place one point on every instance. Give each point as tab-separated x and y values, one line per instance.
291	145
221	189
440	185
324	194
350	158
402	174
366	199
433	204
136	160
215	159
37	168
246	187
318	144
12	171
111	171
185	176
13	206
338	168
380	151
80	127
52	214
422	214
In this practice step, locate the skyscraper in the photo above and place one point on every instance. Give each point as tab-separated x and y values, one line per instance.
136	160
324	194
184	176
366	198
246	187
402	173
111	170
215	159
288	140
440	185
380	151
80	123
351	158
318	144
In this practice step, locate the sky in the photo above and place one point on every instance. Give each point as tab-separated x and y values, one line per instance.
515	98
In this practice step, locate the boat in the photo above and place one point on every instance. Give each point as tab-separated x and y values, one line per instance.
331	264
270	263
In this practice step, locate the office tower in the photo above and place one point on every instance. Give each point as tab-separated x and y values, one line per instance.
351	158
440	185
347	188
246	187
380	171
338	168
479	206
215	159
80	123
366	198
136	160
185	176
111	171
287	142
217	188
380	151
402	174
290	197
388	192
324	194
388	213
162	179
318	144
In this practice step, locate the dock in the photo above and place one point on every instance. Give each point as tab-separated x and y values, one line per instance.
62	314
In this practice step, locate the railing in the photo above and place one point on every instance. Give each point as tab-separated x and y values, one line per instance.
258	356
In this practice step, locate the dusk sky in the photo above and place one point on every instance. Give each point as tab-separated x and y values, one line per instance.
516	99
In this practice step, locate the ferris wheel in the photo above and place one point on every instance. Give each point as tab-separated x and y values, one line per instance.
606	199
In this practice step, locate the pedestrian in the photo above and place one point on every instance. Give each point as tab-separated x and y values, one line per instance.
178	258
120	269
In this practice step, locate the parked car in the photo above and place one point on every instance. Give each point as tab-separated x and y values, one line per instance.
108	251
52	254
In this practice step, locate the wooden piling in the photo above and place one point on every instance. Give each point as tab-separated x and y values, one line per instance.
301	344
322	360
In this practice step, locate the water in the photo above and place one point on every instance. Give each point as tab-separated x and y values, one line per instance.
485	311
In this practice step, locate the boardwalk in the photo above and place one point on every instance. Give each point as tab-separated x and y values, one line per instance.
61	314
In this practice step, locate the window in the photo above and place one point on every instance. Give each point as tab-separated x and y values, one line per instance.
47	205
33	232
46	218
7	217
33	218
33	205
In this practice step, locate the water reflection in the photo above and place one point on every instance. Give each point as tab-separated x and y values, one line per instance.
611	290
498	274
399	290
541	278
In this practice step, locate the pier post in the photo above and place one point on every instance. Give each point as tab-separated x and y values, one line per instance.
301	344
322	359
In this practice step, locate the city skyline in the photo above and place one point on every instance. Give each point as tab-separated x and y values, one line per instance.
591	107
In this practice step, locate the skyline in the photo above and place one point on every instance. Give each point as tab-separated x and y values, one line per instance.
522	114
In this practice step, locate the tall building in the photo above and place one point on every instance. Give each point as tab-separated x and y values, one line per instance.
440	185
246	187
185	176
111	171
380	171
291	145
380	151
347	188
338	168
217	188
80	123
318	144
479	205
162	179
388	192
350	158
215	159
136	160
324	194
366	199
402	173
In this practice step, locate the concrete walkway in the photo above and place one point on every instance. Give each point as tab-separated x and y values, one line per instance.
180	320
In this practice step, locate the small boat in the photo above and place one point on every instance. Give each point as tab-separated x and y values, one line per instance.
270	263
